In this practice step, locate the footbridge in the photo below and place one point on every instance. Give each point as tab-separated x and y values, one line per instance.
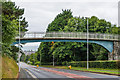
111	42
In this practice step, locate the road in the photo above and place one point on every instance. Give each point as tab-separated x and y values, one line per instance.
42	73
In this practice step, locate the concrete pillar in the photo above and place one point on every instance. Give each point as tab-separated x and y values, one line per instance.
115	55
116	51
110	56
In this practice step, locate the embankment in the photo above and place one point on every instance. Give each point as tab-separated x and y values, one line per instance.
9	68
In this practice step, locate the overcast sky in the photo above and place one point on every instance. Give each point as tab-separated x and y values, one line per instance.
39	13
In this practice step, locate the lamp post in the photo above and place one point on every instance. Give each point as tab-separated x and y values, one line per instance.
87	45
40	58
53	60
19	44
53	53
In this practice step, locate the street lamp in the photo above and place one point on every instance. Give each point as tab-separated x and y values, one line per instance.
87	45
19	44
40	58
53	53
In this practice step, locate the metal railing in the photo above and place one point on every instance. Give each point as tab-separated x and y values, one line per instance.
76	35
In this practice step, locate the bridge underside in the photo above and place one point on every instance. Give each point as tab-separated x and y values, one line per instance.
106	44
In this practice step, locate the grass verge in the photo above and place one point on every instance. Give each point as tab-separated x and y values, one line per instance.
9	68
97	70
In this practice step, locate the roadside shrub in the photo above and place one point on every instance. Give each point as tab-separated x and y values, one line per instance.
97	64
65	63
51	63
58	63
31	63
92	64
118	64
43	63
37	63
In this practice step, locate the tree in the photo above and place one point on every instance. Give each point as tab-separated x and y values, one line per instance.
75	51
27	58
10	25
22	57
60	21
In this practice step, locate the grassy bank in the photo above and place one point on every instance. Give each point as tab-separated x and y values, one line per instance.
0	67
9	68
100	70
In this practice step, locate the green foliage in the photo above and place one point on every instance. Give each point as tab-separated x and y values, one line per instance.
10	21
37	63
31	63
26	58
32	58
22	58
10	25
65	63
9	68
74	51
99	52
14	51
96	64
60	21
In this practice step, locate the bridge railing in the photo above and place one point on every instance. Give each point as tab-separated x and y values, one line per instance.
77	35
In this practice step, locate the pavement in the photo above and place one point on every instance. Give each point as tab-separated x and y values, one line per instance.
29	72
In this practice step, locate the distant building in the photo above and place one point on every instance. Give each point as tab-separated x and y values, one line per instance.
29	52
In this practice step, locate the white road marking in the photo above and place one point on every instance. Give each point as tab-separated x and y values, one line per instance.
33	76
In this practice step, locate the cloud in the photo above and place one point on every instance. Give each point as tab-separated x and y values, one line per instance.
66	0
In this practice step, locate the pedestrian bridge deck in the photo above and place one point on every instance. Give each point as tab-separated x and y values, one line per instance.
105	40
68	36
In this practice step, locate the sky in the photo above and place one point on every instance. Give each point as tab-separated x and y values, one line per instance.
39	13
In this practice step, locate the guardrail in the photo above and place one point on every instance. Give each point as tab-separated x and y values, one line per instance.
79	35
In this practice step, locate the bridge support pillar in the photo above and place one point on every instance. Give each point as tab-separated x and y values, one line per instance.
115	55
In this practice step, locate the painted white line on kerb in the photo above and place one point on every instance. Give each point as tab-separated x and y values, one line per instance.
33	76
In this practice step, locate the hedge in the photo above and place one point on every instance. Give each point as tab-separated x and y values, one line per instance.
97	64
92	64
51	63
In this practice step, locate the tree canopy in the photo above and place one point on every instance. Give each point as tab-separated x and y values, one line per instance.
75	51
10	26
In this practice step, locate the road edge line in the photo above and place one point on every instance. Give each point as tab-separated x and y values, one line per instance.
33	76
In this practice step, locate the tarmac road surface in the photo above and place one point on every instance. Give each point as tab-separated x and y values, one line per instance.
29	72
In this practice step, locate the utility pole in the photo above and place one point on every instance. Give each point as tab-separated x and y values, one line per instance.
19	44
33	56
40	58
53	60
87	46
53	54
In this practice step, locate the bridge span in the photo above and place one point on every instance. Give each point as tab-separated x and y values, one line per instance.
110	42
69	35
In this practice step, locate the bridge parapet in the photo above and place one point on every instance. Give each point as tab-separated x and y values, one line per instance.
77	35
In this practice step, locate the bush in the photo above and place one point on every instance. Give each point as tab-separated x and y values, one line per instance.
43	63
92	64
97	64
37	63
51	63
31	63
65	63
58	63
